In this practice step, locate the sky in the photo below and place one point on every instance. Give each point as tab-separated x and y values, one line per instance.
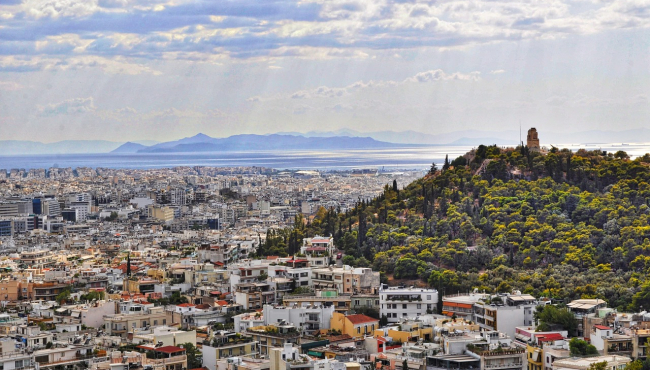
160	70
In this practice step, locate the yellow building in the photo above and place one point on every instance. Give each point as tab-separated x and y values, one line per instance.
535	356
158	274
353	325
406	334
165	214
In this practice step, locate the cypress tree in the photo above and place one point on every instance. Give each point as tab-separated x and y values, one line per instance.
446	165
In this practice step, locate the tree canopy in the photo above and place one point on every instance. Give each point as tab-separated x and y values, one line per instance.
560	225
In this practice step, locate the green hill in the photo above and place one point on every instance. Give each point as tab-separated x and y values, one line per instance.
561	225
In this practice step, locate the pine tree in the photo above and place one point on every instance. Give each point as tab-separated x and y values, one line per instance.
433	169
395	185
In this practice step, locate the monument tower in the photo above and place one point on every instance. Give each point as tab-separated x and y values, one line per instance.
533	140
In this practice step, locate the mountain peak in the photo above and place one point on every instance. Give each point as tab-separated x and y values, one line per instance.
201	136
129	147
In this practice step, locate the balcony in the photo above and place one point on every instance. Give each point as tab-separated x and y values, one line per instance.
511	365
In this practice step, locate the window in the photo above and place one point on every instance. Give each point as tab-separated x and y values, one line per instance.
356	302
164	321
419	306
376	302
358	330
404	314
404	305
155	322
428	298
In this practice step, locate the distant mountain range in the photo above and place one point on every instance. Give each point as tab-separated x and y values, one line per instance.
477	137
320	140
23	147
205	143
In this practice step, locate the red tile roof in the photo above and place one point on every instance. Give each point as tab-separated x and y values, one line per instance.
185	305
360	319
549	337
602	327
169	349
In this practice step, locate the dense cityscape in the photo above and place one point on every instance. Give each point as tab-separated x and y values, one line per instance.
192	267
324	185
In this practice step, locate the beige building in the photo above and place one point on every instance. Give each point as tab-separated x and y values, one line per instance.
613	362
164	214
166	335
123	324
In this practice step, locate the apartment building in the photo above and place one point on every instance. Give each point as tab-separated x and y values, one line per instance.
318	250
124	323
399	303
613	362
346	280
273	336
461	305
506	312
310	319
324	298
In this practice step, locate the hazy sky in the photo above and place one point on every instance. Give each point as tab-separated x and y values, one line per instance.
137	69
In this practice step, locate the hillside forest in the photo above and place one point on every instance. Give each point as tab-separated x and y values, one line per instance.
562	225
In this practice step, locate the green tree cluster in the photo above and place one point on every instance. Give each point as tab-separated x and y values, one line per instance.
561	225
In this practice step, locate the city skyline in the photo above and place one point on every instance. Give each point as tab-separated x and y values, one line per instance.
160	70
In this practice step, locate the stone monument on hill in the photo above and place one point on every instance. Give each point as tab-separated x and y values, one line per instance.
532	141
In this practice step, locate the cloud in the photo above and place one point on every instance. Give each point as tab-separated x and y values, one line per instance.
10	86
126	110
116	65
497	71
309	29
70	106
60	8
440	75
422	77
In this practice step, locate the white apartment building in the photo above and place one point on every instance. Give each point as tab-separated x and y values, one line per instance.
398	303
505	313
319	250
310	319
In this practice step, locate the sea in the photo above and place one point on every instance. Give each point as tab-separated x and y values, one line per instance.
389	159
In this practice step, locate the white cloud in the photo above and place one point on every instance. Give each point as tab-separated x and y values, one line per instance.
10	86
116	65
422	77
497	71
70	106
440	75
60	8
